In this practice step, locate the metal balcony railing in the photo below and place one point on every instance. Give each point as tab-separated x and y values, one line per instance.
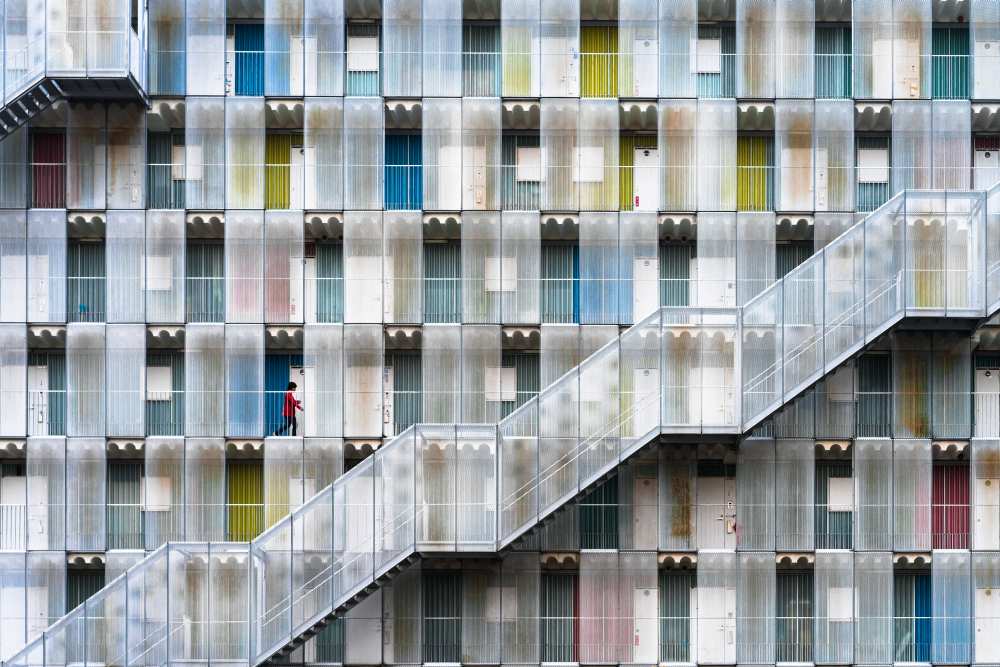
679	370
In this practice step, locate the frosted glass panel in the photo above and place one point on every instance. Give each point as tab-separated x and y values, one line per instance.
442	154
283	263
323	394
165	270
244	380
324	152
126	380
85	494
204	380
85	379
125	259
244	266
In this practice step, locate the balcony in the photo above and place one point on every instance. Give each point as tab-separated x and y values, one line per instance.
78	51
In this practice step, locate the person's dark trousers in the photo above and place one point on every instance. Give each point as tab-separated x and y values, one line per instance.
289	422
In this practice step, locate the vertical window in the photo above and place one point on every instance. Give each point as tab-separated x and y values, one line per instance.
834	518
124	498
48	170
872	164
329	271
244	500
363	59
874	396
676	260
833	61
599	517
599	61
403	382
715	60
404	179
279	370
794	616
205	283
560	283
46	393
81	583
165	392
165	167
912	616
247	75
950	505
481	60
677	600
527	379
790	254
558	617
950	61
442	616
13	501
521	157
443	282
755	173
85	298
283	157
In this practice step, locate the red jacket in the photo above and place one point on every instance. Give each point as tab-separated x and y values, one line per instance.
291	403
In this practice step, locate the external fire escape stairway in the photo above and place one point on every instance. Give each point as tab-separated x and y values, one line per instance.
678	372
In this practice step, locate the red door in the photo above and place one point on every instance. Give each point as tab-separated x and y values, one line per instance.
950	505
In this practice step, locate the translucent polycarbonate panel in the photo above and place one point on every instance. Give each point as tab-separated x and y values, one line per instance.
985	580
833	576
951	377
163	498
395	508
911	41
638	35
794	471
13	266
756	32
86	157
483	279
521	254
560	121
284	482
599	271
560	48
126	156
204	488
716	145
204	380
244	266
324	48
363	153
640	381
761	354
403	267
873	473
204	148
363	265
794	145
441	367
802	310
363	362
284	69
716	590
911	145
244	380
951	578
755	493
519	626
794	49
558	431
164	270
45	576
46	266
437	499
324	144
13	176
755	262
883	263
311	558
124	254
872	45
85	494
283	263
206	47
595	165
984	28
716	263
271	561
481	628
844	289
353	531
126	380
833	155
828	227
476	487
911	376
229	597
952	127
442	152
323	394
678	29
13	587
244	152
873	626
518	450
985	503
755	609
560	351
85	379
601	592
403	611
677	142
45	469
481	166
911	484
600	412
442	48
13	379
638	266
484	386
402	48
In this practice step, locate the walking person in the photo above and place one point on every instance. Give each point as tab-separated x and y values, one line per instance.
288	409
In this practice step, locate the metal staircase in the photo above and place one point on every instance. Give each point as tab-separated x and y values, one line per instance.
104	60
680	372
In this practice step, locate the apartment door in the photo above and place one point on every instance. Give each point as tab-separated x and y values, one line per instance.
987	612
716	625
986	508
986	170
644	511
38	400
645	614
645	180
987	395
716	514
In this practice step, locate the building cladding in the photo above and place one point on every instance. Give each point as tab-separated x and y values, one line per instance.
624	331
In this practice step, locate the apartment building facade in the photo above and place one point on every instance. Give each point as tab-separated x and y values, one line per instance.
624	332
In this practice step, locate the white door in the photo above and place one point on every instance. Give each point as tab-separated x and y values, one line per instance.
986	513
645	398
987	625
716	625
987	56
716	513
38	288
645	287
645	180
645	67
13	497
388	414
987	169
296	181
644	528
38	400
646	613
987	403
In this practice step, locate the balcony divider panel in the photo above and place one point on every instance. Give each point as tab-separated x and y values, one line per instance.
205	157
